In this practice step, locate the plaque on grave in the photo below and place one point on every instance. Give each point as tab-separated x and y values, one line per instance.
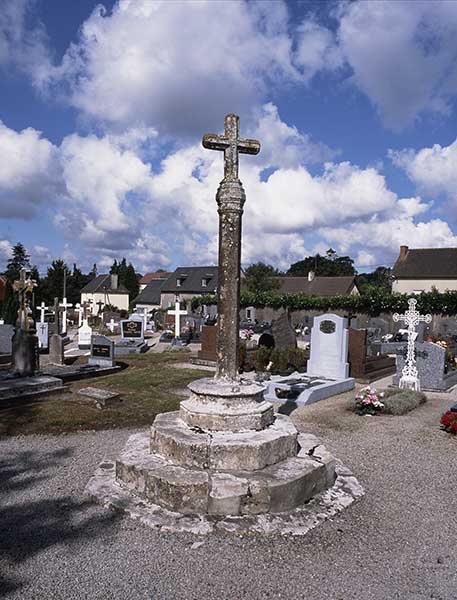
101	351
283	334
327	326
132	330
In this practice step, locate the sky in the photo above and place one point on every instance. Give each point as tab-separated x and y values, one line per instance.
103	107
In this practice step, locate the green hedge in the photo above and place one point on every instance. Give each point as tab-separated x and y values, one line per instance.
372	304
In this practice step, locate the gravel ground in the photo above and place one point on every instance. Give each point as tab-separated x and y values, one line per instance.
398	541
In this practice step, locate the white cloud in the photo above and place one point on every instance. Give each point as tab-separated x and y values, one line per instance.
402	55
317	49
138	65
433	170
23	42
5	250
29	172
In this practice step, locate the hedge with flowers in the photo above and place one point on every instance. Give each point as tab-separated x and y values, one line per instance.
373	303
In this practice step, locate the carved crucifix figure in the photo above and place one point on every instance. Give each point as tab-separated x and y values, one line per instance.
230	199
412	318
232	145
24	285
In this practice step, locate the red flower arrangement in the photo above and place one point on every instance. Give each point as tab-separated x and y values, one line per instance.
449	422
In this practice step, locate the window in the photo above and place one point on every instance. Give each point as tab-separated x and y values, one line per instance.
179	282
204	282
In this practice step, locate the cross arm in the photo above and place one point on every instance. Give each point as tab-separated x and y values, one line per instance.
248	146
212	141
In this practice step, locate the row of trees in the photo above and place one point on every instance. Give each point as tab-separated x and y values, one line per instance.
58	275
261	277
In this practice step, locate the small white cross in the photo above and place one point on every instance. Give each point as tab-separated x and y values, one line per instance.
64	305
412	318
111	325
42	308
177	313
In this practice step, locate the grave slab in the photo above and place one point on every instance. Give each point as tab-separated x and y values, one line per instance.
102	398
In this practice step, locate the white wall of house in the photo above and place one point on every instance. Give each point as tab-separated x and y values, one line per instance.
411	286
120	301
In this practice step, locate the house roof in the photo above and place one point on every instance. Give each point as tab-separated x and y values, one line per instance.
152	276
102	284
151	293
191	280
319	286
426	263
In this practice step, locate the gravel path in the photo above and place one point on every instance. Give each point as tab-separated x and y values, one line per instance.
399	541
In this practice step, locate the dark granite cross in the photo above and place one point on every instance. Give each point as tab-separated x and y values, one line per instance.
232	145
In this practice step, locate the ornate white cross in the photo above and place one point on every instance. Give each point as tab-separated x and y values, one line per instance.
178	313
111	325
42	308
79	309
64	304
232	145
412	318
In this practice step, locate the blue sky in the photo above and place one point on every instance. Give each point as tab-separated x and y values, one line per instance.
103	107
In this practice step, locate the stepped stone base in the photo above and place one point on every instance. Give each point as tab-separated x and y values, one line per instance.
108	491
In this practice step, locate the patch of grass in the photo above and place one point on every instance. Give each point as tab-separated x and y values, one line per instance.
403	401
147	388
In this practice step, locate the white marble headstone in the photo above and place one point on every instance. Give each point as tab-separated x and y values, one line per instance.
42	331
329	348
84	335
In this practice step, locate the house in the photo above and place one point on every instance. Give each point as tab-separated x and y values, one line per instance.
318	286
424	269
187	282
105	289
149	297
161	275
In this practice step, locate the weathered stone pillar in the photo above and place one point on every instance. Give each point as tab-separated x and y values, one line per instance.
230	199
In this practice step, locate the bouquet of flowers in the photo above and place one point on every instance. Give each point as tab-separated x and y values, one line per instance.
368	402
449	422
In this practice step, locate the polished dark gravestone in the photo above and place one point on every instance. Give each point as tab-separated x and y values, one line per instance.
101	351
283	333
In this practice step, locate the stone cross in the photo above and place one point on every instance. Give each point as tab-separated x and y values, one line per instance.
79	309
24	285
100	305
230	198
232	145
65	305
177	313
42	308
411	318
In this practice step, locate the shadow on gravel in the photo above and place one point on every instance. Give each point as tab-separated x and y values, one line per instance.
29	527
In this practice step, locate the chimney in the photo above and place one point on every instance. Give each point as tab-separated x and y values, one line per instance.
311	275
114	281
403	252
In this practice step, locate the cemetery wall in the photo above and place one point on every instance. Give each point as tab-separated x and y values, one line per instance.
411	286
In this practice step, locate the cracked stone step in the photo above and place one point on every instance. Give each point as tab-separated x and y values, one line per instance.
275	488
248	450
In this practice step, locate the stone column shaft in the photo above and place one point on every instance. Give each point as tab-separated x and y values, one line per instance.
230	198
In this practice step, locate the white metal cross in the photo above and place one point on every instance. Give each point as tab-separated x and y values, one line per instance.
178	313
409	375
64	304
42	308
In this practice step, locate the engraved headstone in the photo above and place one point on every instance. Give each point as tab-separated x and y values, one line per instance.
132	330
329	347
42	331
430	361
283	333
101	351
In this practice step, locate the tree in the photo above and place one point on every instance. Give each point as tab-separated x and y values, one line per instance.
19	260
330	265
53	282
379	279
261	277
